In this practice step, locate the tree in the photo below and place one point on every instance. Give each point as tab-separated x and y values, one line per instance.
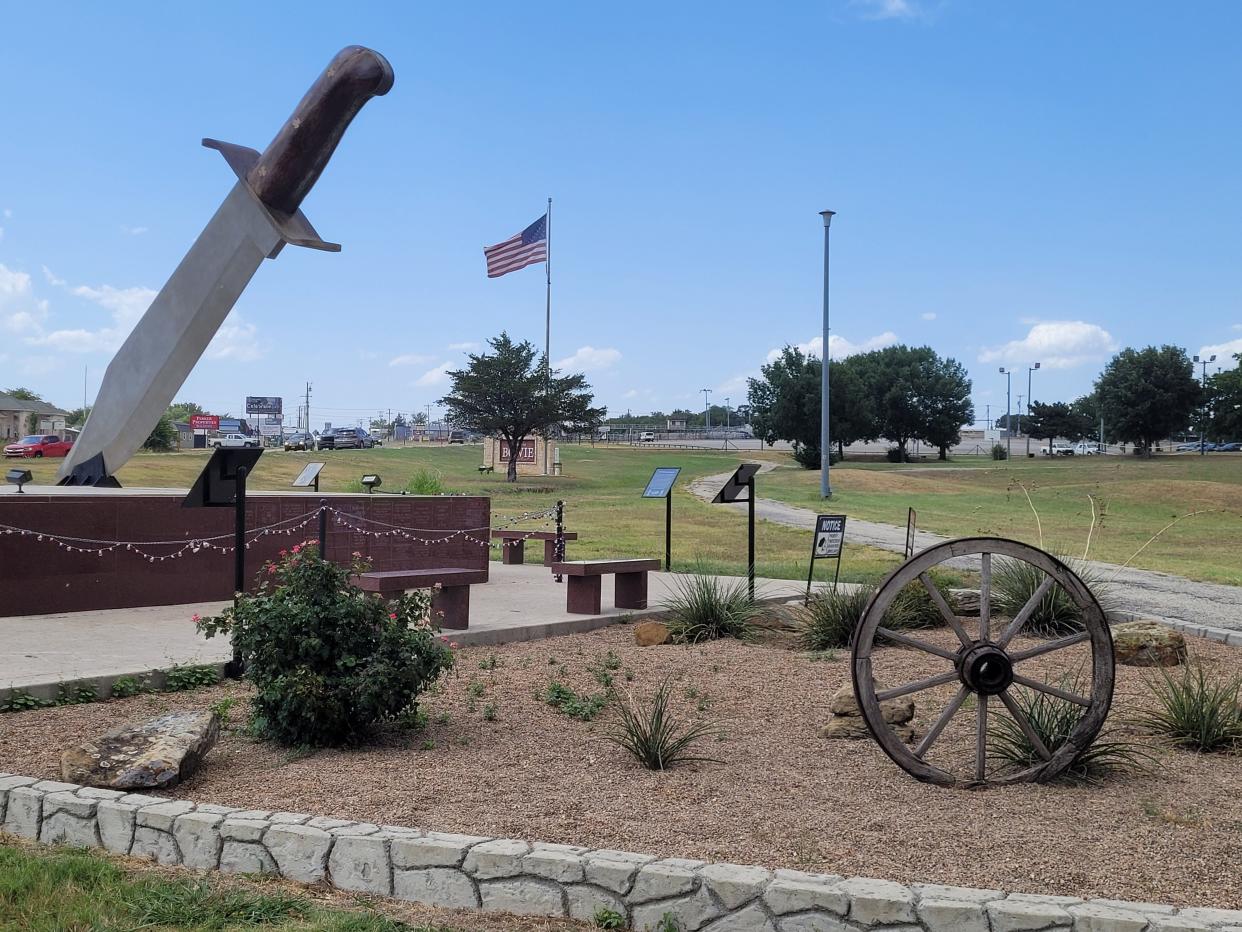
916	394
785	404
77	417
1146	395
1058	419
948	405
23	394
1224	402
181	410
510	393
163	436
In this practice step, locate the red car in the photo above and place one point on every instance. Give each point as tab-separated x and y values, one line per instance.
39	445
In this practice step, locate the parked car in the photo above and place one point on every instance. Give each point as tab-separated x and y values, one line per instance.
1233	446
345	438
239	441
647	436
38	446
457	436
1086	449
1057	449
300	441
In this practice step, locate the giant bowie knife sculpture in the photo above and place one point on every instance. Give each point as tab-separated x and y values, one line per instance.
255	221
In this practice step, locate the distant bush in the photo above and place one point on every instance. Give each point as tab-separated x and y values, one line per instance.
328	661
896	455
704	608
1014	582
425	482
1195	711
806	457
999	452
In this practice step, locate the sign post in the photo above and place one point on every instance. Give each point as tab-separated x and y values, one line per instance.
660	485
828	542
911	519
731	491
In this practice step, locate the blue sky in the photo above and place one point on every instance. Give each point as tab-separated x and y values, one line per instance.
1014	182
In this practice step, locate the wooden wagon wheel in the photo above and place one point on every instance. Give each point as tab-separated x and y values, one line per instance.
983	665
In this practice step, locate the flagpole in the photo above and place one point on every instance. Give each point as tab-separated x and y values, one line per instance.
548	310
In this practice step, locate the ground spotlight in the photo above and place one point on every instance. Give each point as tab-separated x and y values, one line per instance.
371	481
18	477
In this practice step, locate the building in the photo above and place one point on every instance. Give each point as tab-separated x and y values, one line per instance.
15	417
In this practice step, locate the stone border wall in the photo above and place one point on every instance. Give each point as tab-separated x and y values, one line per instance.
502	874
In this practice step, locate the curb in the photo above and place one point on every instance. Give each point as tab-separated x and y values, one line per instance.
530	878
102	684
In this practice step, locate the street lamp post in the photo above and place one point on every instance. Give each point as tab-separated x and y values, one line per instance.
707	411
1008	426
1203	413
825	456
1029	370
728	423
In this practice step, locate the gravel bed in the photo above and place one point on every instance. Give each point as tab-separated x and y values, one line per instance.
779	796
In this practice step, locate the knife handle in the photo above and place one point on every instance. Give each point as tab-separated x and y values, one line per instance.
293	161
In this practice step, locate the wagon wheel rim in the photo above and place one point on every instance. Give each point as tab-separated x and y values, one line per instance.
985	666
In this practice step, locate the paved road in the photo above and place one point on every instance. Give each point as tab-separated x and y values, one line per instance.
1189	604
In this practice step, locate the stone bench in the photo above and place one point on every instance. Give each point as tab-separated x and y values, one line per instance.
583	591
451	600
513	550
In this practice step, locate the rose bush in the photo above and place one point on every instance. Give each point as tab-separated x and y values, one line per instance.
328	661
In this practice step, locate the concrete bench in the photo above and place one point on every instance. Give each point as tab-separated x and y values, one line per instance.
451	600
583	591
513	550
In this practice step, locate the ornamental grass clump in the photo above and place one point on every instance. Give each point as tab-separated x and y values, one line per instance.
1014	582
654	735
329	662
705	608
1053	720
1196	711
828	619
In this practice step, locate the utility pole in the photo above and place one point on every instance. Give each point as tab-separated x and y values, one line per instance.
308	420
825	456
988	416
1008	426
1203	413
707	412
1029	370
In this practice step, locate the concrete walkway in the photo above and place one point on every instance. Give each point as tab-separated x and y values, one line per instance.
1195	607
519	603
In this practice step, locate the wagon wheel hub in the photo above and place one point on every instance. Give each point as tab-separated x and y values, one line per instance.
985	668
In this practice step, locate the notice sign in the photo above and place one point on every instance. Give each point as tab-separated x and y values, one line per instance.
829	536
827	544
661	482
204	422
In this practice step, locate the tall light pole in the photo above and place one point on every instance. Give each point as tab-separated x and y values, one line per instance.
825	456
1008	426
707	411
1203	413
728	422
1029	370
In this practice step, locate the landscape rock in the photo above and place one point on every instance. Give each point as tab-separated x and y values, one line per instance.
896	711
160	752
966	601
651	633
1148	644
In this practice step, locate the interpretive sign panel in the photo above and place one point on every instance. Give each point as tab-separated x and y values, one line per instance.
661	482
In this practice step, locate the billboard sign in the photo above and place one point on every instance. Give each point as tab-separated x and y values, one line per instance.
204	422
264	404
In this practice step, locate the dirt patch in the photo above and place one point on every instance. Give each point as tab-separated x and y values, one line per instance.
495	759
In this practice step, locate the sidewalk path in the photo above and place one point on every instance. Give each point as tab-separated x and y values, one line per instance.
1188	604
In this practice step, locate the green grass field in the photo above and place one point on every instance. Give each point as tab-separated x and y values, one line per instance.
1134	500
601	489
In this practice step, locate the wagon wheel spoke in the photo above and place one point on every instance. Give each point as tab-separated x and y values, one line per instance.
985	597
917	686
981	740
934	732
1027	610
949	618
1052	691
1025	724
898	638
1050	646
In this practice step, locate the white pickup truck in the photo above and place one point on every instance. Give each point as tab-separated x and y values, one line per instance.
234	440
1056	449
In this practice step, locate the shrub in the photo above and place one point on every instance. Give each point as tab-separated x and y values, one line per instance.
828	619
999	451
125	686
425	482
328	661
19	700
1195	711
704	608
194	676
913	606
805	456
1053	719
653	735
1056	615
76	695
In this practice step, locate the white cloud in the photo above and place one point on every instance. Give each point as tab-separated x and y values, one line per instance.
734	386
20	312
236	340
133	231
1055	344
127	306
8	214
409	359
1236	327
888	9
588	358
51	278
632	393
1224	352
1	232
465	347
928	315
840	347
436	376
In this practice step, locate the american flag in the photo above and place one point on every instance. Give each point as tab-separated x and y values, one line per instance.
518	251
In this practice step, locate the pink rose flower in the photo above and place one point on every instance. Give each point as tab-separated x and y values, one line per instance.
271	569
297	548
196	619
393	616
